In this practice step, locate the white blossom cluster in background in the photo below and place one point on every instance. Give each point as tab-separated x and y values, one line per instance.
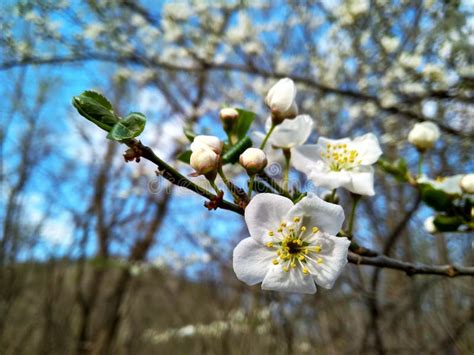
237	322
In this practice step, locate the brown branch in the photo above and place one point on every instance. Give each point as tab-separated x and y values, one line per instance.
176	178
212	66
410	269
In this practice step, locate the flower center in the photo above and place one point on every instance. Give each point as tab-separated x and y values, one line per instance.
339	157
292	250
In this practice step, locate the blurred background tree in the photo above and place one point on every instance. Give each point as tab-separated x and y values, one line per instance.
101	257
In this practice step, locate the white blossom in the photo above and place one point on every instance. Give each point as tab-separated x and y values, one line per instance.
390	44
424	135
448	184
340	163
291	247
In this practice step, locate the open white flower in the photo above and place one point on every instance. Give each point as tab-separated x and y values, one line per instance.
287	135
448	184
281	100
334	163
292	246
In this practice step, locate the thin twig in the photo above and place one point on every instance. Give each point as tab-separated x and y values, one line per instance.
411	268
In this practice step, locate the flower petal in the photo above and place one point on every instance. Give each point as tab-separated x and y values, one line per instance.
368	148
334	255
330	179
293	132
362	181
292	281
305	157
264	213
315	212
251	261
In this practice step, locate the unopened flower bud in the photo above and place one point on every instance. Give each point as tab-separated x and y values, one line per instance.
204	161
281	100
207	142
467	183
228	114
228	117
253	160
424	135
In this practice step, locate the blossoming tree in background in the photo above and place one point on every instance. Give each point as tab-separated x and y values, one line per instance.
137	265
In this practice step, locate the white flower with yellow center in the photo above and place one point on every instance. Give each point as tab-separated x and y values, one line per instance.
291	246
334	163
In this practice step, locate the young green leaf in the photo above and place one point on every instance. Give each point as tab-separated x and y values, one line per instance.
185	156
189	133
129	127
233	154
244	121
447	223
99	98
437	199
92	107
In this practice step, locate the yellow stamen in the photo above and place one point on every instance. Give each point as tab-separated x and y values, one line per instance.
315	229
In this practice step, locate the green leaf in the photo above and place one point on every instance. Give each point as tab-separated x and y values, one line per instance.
99	98
189	133
244	121
94	110
447	223
128	128
233	154
437	199
185	156
398	169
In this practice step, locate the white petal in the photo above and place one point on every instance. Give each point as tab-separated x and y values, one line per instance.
291	133
323	141
315	212
368	148
305	157
292	281
251	261
264	213
362	181
330	179
334	254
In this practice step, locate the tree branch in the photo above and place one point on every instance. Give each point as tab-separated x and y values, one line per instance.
212	66
176	178
411	268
